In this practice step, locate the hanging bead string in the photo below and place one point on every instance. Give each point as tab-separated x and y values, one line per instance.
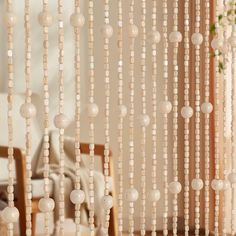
107	31
165	115
77	195
46	204
10	214
175	186
122	114
154	194
187	113
131	194
197	183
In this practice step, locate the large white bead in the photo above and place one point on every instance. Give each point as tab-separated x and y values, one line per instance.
27	110
10	214
144	120
107	31
131	195
226	184
92	110
45	19
123	110
165	107
197	184
232	178
232	41
216	43
46	204
175	37
61	121
77	20
155	37
133	31
206	108
77	196
10	19
154	195
197	39
187	112
175	187
107	202
217	184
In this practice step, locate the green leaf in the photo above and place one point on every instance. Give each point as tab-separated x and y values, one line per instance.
220	17
213	29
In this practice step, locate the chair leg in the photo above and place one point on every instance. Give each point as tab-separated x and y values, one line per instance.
33	219
22	218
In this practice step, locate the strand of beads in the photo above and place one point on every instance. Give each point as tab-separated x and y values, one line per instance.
77	195
154	194
197	183
46	204
92	113
143	119
131	194
165	107
122	114
175	187
107	32
187	113
10	214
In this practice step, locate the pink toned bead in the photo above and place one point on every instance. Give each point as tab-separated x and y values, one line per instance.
27	110
61	121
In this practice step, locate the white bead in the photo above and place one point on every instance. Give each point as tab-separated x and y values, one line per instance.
45	19
133	31
155	37
165	107
77	196
216	43
232	178
107	202
175	187
144	120
175	37
197	39
226	184
217	184
206	108
77	20
10	214
92	110
107	31
46	204
154	195
123	110
197	184
131	195
61	121
232	41
187	112
10	19
27	110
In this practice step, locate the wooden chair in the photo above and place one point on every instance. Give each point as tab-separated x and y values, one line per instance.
21	181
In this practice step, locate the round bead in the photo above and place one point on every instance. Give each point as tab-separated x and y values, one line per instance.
175	37
10	214
133	31
61	121
155	37
107	202
217	184
27	110
197	39
77	20
144	120
165	107
226	184
46	204
123	110
107	31
187	112
216	43
154	195
232	178
93	110
131	195
10	19
232	41
77	196
45	19
175	187
206	108
197	184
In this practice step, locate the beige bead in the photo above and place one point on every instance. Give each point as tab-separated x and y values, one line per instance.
77	20
107	31
45	19
10	19
133	31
